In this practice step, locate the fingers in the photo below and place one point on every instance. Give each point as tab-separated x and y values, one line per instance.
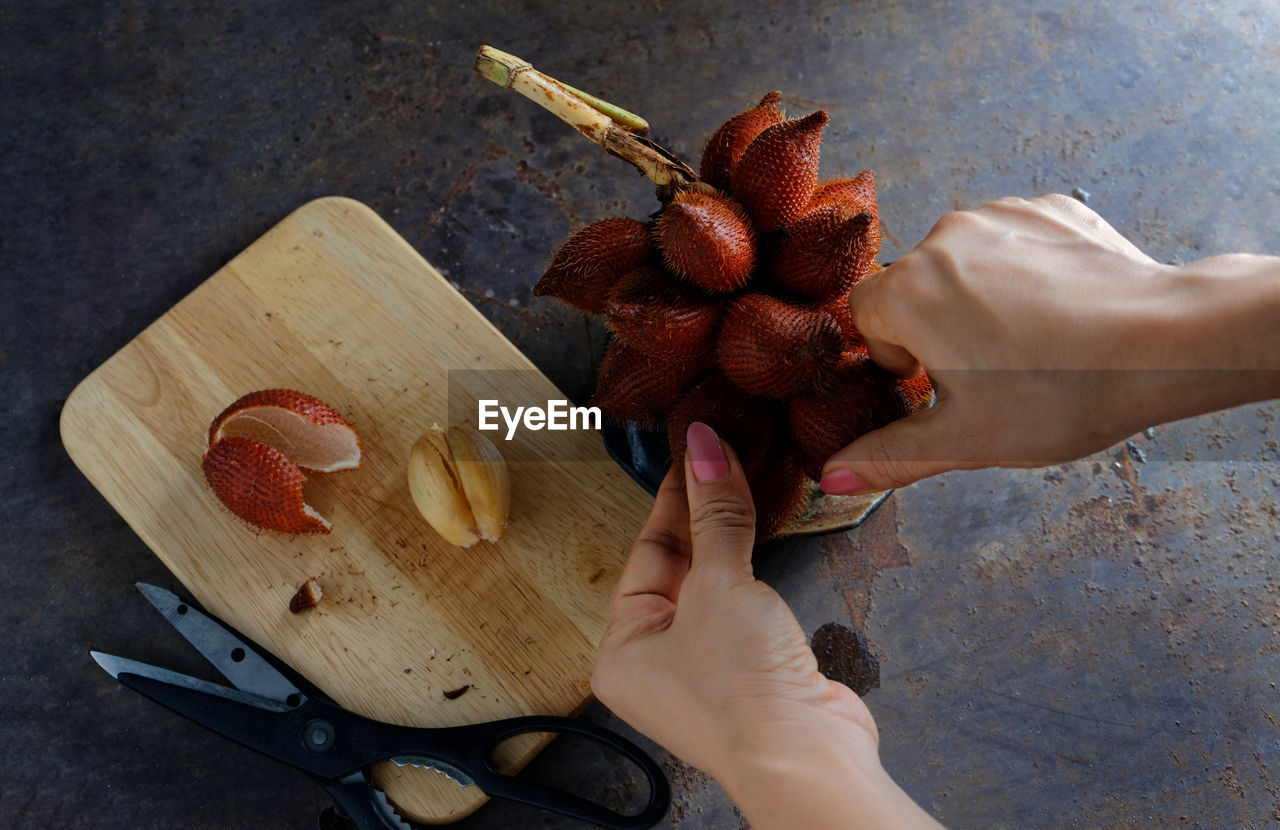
722	518
870	303
901	453
659	559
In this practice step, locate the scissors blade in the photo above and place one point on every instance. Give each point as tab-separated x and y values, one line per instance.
236	660
259	723
116	666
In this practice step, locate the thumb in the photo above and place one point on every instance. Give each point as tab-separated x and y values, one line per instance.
722	518
921	445
871	302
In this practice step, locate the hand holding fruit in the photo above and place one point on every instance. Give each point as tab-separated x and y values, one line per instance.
710	662
1047	336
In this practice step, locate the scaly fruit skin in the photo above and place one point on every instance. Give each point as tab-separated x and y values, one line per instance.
745	422
825	253
308	406
776	349
773	361
586	267
917	392
634	386
707	239
779	490
755	428
838	308
730	141
862	397
775	177
260	485
656	313
857	193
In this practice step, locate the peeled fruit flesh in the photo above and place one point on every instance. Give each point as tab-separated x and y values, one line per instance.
258	448
460	484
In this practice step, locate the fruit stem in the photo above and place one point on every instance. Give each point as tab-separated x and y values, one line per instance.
620	132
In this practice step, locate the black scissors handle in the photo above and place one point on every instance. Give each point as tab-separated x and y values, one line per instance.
471	749
332	744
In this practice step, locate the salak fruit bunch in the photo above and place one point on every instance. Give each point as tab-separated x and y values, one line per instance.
730	304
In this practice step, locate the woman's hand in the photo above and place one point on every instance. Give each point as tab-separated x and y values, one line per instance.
1049	336
710	663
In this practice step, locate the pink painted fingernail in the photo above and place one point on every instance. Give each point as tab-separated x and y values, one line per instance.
706	456
841	483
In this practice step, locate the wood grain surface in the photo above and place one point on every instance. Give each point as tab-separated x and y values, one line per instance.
333	302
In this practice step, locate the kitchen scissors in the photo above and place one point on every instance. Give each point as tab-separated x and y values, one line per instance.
289	719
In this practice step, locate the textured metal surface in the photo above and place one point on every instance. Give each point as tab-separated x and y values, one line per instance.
1092	645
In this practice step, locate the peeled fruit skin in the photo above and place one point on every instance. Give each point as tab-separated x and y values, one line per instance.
707	239
589	263
460	484
654	310
260	485
634	386
283	418
727	144
862	397
776	349
258	447
776	176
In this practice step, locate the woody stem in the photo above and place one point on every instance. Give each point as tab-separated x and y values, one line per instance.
620	132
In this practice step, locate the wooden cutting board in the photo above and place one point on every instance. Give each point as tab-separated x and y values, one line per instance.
333	302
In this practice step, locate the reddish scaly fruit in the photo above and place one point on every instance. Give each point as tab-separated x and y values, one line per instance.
777	173
586	267
728	143
707	238
861	397
745	422
917	391
777	250
857	193
655	313
776	349
838	308
825	253
634	386
258	447
779	489
260	485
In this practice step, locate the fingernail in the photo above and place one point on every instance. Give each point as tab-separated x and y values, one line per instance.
706	456
841	483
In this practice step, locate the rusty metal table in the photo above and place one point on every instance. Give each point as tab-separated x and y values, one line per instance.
1094	644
